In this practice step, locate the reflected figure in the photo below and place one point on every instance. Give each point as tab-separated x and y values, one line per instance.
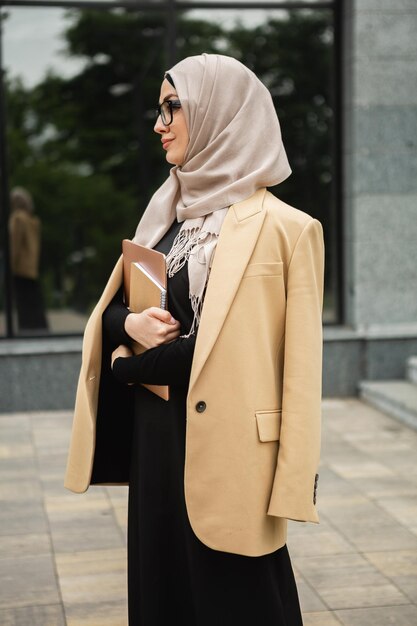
25	246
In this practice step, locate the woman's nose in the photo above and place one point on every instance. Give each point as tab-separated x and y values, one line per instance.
160	126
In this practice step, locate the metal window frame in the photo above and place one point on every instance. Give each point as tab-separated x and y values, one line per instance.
170	7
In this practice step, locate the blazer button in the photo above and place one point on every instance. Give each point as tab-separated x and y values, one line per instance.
200	406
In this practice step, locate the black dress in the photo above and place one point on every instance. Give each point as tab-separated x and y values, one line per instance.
172	575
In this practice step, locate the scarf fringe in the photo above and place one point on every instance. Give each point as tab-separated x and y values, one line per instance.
181	249
183	246
197	307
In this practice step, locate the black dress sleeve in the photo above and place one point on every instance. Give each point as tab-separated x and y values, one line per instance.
114	318
167	364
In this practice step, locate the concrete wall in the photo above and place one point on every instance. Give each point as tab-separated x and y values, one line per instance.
380	162
350	356
38	374
42	374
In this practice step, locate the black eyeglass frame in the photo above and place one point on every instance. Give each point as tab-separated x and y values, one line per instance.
172	104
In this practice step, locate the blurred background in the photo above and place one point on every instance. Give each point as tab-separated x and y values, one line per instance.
79	161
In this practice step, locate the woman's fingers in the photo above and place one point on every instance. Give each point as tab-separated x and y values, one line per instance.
171	336
167	332
161	314
121	351
152	327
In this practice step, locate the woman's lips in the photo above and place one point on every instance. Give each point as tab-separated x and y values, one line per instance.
166	143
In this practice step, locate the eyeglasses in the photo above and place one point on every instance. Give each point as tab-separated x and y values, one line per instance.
166	111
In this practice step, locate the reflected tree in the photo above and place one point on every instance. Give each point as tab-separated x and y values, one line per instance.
85	148
293	56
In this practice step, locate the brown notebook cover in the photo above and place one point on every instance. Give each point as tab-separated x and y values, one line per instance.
152	260
145	290
145	282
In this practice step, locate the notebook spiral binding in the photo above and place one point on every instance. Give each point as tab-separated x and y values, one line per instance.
163	304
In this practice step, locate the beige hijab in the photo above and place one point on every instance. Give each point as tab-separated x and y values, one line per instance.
235	148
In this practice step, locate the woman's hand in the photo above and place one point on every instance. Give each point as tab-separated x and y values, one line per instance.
122	351
152	327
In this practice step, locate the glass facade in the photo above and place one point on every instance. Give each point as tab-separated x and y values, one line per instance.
79	156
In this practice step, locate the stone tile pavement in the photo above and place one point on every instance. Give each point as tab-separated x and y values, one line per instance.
63	556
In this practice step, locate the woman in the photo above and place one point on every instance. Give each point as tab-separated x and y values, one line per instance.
215	472
25	248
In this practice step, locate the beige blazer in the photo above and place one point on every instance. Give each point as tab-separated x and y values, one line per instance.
254	398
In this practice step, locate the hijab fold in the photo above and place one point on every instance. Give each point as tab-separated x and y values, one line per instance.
235	147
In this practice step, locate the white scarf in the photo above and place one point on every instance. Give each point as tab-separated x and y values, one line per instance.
235	148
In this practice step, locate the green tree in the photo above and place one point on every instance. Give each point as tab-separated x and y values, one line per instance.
85	148
278	51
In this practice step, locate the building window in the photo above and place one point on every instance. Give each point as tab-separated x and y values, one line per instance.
79	90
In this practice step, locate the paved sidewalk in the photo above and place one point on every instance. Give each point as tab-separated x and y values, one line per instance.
63	556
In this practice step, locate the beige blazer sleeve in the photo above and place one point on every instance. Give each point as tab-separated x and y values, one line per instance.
295	481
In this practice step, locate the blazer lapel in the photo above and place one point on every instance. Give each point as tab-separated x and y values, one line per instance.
237	239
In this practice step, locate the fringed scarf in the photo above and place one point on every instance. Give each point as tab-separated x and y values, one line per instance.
235	148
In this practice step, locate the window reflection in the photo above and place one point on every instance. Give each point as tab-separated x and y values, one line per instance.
312	2
80	140
292	53
81	87
25	248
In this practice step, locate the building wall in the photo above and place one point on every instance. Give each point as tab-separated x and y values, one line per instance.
379	225
39	374
380	160
42	374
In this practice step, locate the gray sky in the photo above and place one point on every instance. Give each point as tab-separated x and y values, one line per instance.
32	41
32	44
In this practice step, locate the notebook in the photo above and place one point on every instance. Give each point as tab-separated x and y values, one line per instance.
145	290
152	260
144	283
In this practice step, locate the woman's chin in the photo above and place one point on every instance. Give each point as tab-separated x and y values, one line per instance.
171	160
174	159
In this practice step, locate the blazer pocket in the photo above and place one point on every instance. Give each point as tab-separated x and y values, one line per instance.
269	424
263	269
